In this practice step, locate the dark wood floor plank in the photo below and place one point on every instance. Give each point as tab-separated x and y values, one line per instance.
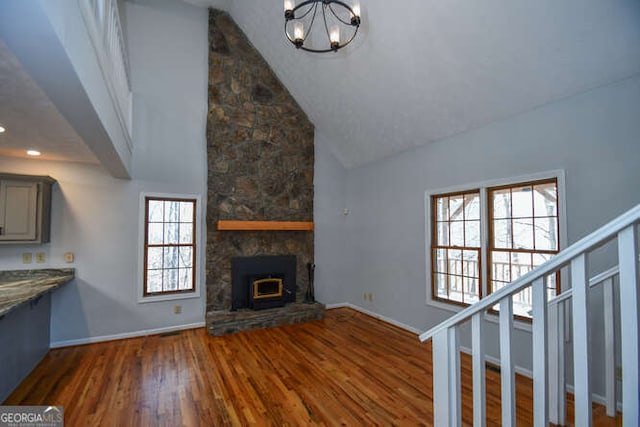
348	369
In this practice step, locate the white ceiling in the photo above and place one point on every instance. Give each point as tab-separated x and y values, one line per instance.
32	120
424	70
419	71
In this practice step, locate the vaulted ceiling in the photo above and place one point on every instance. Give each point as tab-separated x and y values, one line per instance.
420	70
424	70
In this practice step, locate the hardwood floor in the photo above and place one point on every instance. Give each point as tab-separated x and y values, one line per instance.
348	369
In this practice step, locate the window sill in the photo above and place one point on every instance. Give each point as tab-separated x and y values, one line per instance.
522	325
168	297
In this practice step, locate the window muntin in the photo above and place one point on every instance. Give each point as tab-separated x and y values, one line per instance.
522	228
456	247
169	246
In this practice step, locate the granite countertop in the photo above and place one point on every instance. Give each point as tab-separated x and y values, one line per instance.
20	286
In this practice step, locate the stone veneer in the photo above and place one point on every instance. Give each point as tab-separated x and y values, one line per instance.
260	160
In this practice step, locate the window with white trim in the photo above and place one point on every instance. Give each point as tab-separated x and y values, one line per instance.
514	227
169	246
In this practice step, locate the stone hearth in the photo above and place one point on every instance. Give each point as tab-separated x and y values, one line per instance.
260	162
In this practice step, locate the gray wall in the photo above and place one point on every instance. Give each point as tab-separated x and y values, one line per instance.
97	216
594	137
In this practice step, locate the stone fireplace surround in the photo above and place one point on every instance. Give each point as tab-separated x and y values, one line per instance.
260	168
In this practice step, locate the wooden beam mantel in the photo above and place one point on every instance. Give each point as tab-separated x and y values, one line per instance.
226	225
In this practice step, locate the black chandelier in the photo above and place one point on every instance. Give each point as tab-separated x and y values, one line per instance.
339	24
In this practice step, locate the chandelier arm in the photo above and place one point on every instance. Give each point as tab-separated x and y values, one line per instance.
326	27
338	17
312	6
313	18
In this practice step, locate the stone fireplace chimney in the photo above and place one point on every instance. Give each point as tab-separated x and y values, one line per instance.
260	160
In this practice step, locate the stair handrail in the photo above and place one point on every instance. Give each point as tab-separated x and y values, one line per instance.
564	257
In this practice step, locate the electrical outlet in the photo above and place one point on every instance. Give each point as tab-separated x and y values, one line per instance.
41	257
68	257
177	309
619	373
364	296
370	296
27	258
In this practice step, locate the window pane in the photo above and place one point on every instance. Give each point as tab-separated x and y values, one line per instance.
501	203
155	234
186	278
186	211
186	233
457	233
546	236
170	279
171	211
472	206
472	234
500	267
471	265
186	257
154	258
545	198
455	288
154	281
471	290
521	202
502	233
520	265
442	209
156	208
455	262
442	239
441	285
455	208
171	233
171	257
523	233
441	260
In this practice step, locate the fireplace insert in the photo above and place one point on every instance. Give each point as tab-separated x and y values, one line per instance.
261	282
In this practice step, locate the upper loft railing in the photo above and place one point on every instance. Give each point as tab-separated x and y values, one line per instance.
102	20
446	359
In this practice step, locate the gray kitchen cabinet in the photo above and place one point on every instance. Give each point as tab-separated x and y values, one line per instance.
25	208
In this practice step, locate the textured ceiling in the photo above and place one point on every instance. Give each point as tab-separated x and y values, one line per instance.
424	70
31	119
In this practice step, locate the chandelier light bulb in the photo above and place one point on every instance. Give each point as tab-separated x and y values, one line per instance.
334	37
288	8
298	34
356	9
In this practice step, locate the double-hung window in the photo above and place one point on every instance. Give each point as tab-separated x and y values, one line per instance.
169	246
484	238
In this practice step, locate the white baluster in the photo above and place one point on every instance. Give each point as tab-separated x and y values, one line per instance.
581	341
446	378
539	327
507	373
477	345
630	323
557	391
609	348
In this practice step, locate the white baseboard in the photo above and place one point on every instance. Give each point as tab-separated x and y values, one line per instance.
135	334
376	316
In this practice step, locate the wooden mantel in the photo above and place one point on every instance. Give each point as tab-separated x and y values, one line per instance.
226	225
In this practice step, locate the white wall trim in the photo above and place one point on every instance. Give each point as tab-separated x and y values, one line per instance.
125	335
375	315
558	174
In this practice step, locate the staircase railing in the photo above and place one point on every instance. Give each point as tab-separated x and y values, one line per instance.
446	356
102	20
